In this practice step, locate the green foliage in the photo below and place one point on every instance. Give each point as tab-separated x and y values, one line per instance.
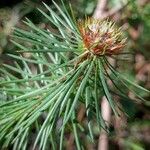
42	93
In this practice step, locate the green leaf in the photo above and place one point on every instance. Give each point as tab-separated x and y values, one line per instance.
81	87
77	139
88	96
105	88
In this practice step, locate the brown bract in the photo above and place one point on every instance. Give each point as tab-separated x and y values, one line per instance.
101	37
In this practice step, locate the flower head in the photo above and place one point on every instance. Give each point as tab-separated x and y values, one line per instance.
101	37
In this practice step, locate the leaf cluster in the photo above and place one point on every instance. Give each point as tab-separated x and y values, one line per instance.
45	90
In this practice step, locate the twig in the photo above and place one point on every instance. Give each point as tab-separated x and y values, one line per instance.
100	12
100	9
114	11
106	113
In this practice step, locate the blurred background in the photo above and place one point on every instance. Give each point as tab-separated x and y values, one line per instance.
131	132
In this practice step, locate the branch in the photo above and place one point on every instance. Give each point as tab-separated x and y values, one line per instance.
106	113
100	12
100	9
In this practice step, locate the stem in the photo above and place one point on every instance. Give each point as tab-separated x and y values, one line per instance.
106	114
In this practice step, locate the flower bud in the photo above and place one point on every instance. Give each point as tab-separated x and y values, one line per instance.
101	37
